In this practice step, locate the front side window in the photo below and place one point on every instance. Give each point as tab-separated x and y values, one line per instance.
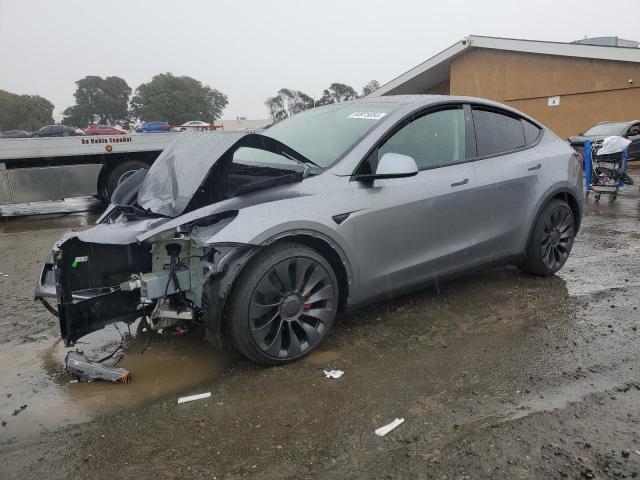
497	133
434	140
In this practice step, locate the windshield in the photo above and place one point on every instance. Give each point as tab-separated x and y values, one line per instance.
324	134
607	129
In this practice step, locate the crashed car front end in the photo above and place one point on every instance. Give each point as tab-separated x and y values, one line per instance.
150	255
162	280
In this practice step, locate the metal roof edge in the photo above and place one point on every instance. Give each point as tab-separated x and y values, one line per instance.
453	51
600	52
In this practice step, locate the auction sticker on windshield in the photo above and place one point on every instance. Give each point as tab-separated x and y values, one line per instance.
367	115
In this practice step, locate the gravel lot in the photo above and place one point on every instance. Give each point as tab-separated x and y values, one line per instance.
497	375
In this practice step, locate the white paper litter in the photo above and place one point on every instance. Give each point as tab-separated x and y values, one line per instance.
191	398
382	431
333	373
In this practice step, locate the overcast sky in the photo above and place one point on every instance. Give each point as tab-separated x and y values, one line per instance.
249	49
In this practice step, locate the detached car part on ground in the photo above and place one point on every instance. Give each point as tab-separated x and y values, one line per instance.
262	238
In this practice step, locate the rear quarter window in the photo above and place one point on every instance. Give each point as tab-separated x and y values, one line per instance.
531	132
497	133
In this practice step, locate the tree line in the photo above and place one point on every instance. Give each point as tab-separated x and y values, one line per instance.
175	99
24	112
288	102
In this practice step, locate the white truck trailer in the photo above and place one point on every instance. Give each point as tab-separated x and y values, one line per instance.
36	169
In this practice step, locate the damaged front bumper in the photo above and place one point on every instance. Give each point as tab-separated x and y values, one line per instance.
84	279
98	284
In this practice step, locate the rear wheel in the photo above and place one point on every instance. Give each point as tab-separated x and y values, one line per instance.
551	240
119	174
283	305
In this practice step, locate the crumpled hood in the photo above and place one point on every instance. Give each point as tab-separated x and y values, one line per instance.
180	169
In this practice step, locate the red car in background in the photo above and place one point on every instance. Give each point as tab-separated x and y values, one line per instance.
97	129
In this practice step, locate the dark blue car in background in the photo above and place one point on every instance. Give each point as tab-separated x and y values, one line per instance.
154	127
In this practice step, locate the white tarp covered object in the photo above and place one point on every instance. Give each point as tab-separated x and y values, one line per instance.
613	144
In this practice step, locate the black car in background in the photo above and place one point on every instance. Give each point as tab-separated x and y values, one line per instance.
15	134
596	134
57	131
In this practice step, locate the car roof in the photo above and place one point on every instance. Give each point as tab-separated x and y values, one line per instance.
621	122
418	101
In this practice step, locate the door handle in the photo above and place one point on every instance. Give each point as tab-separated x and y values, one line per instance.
537	167
462	182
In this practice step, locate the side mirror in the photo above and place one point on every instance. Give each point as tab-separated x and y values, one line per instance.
393	165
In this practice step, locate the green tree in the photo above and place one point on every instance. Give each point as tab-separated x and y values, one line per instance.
103	100
370	87
24	112
337	93
288	102
177	100
275	106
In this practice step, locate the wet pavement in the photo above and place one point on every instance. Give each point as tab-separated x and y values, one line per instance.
497	375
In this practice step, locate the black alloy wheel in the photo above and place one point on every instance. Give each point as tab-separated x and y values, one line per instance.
557	237
284	304
290	307
551	239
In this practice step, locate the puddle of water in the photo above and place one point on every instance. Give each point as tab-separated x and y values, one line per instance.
558	399
32	374
323	357
70	221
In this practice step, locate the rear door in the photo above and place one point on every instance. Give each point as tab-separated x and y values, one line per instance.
508	172
421	227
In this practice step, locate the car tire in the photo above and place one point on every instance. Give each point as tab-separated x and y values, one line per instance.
551	240
65	134
118	174
283	304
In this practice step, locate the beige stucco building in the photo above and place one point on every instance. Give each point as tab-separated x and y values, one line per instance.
566	86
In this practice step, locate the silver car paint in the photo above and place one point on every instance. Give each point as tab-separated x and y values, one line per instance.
399	231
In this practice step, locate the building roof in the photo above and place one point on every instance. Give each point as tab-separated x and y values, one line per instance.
436	69
241	124
608	41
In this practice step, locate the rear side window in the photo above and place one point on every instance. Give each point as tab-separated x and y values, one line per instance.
531	132
497	133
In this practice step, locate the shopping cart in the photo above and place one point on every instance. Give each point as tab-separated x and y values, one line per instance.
605	167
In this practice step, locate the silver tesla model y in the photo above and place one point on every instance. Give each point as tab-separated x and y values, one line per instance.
262	238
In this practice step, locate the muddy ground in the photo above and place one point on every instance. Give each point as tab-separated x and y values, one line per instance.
497	375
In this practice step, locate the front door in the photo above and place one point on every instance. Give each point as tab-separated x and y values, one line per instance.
413	229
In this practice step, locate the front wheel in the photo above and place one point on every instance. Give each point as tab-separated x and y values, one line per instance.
283	305
551	240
